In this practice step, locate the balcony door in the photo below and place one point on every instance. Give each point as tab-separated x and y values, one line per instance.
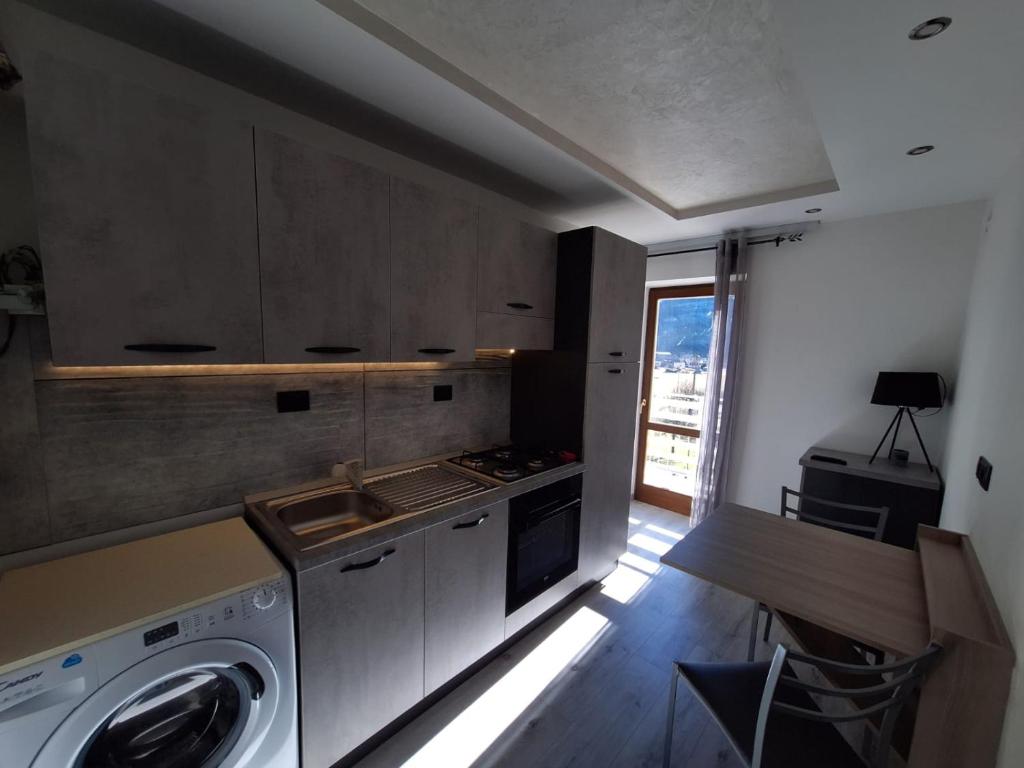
678	342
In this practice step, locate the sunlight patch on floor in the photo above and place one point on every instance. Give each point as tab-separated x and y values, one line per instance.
623	583
650	567
469	735
664	531
643	541
634	521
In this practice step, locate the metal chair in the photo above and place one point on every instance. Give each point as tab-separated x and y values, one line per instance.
771	721
867	522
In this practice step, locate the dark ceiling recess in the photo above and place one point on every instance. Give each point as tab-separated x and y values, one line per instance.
930	28
924	149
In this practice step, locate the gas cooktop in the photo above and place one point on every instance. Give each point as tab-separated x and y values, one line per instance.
508	463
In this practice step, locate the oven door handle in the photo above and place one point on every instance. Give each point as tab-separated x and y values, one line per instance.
551	513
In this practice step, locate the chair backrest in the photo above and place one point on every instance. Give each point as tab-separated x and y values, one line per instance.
878	701
867	522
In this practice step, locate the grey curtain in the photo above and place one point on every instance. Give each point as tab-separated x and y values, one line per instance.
720	404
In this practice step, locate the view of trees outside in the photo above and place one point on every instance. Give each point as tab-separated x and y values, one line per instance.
682	347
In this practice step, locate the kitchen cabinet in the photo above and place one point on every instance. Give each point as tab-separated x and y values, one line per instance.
515	284
465	591
433	275
517	267
146	211
498	331
324	261
608	430
361	626
616	299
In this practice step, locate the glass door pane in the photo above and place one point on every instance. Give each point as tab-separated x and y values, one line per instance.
675	380
680	365
671	461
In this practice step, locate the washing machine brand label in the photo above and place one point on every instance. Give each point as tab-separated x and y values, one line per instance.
6	685
71	661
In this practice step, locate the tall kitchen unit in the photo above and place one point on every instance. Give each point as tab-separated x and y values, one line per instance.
583	395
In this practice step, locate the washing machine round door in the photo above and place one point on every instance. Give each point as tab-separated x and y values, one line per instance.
206	704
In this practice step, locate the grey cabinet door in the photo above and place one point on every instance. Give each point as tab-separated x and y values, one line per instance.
465	588
517	267
146	210
498	331
608	433
616	299
433	275
323	228
360	646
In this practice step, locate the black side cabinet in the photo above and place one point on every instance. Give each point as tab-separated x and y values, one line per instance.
912	493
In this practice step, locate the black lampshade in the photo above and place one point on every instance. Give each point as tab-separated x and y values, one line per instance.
912	389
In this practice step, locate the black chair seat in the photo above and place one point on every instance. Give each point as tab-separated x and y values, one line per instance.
733	694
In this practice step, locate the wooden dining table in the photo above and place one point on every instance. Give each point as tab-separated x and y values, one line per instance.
831	590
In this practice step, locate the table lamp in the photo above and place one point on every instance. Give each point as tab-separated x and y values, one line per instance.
906	390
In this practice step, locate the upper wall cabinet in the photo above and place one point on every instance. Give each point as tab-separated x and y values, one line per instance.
433	275
516	284
147	222
616	299
323	230
517	267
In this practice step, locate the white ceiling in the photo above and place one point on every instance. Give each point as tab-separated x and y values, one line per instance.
692	101
846	73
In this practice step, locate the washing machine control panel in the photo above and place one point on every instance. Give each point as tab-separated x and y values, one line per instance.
214	619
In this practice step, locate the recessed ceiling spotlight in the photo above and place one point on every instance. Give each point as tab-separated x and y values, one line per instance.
924	149
813	210
930	28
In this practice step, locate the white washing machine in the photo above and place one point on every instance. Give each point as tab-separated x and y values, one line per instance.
211	686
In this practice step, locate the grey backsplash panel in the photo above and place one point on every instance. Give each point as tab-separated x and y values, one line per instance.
121	452
403	422
24	522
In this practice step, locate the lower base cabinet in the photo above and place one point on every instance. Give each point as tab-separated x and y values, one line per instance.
361	627
465	591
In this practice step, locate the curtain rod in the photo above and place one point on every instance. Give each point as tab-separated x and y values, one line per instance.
795	237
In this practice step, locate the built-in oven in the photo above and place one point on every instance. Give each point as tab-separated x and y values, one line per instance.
543	540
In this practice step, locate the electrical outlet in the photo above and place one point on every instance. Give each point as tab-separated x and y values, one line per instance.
983	472
442	392
293	400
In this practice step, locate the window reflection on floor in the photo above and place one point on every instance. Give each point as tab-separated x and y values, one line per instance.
466	737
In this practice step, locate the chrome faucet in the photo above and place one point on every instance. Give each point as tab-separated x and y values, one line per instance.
352	470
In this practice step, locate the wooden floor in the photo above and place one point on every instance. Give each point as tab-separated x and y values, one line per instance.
589	687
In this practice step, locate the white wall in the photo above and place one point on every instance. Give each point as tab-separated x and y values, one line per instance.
680	269
988	420
858	296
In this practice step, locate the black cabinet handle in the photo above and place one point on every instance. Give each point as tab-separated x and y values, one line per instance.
435	351
173	348
369	563
332	350
474	524
616	354
614	370
519	305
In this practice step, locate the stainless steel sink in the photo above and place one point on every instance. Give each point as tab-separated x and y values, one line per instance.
325	516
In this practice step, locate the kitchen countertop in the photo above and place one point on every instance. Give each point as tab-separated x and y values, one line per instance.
388	530
59	606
